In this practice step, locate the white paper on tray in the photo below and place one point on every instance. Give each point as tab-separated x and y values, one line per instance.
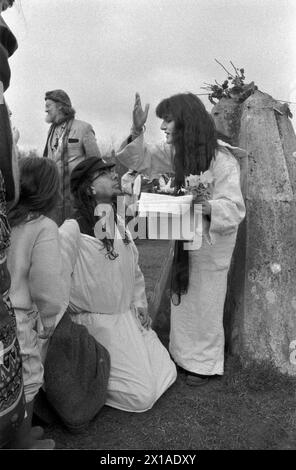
162	203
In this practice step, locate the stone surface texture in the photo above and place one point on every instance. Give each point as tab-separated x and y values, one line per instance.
260	309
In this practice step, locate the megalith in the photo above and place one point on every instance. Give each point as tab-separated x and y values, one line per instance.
260	308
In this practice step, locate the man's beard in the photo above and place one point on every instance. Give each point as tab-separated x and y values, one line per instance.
48	119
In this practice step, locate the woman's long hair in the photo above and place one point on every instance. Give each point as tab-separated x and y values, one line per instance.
84	203
195	143
39	190
194	137
6	4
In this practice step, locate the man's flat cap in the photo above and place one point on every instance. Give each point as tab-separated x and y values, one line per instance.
85	169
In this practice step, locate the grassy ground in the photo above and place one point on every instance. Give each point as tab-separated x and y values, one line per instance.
248	408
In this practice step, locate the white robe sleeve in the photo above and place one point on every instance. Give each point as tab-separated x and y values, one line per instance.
70	241
148	159
45	276
139	296
227	204
69	234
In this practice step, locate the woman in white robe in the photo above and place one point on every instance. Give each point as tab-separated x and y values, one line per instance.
196	335
107	295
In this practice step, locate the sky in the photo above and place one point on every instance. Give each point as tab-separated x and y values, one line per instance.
102	51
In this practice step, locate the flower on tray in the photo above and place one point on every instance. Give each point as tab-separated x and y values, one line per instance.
165	185
199	185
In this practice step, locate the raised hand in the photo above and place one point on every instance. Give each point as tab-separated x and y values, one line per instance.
139	115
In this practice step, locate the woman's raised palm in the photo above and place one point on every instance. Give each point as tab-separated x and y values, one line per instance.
139	115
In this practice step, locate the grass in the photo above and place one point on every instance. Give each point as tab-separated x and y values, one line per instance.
248	408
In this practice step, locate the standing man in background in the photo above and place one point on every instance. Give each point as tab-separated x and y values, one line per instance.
69	141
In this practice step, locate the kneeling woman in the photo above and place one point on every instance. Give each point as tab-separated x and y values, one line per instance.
108	290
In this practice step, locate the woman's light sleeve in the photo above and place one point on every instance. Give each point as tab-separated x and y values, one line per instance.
45	276
139	297
148	159
227	204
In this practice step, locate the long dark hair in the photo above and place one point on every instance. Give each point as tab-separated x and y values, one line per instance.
84	203
194	138
8	4
39	190
195	143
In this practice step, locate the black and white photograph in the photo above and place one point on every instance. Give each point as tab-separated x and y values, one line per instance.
147	229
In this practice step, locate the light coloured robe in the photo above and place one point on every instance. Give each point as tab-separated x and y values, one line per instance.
197	335
37	293
104	295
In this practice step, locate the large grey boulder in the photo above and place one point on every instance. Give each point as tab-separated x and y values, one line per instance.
260	309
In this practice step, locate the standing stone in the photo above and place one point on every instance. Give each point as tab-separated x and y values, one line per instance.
260	309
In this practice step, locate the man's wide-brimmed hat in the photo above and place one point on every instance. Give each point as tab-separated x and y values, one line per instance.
59	96
85	168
